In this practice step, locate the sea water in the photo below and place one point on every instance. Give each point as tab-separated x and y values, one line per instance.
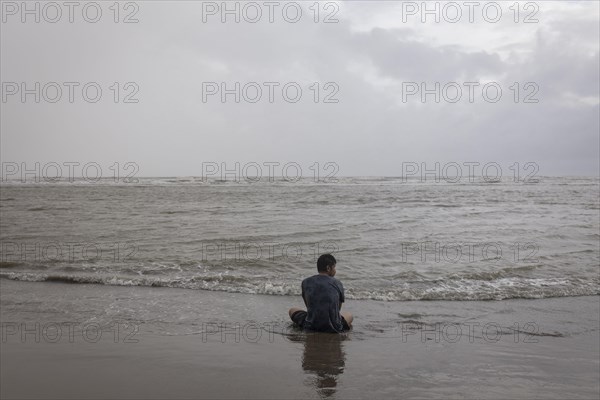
394	239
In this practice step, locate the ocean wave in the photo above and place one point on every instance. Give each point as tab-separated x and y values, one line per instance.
449	290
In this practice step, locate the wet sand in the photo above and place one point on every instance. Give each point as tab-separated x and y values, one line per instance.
140	342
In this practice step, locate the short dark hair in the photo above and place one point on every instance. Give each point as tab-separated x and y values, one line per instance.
324	261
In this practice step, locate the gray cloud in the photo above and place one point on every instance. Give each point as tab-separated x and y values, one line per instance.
170	53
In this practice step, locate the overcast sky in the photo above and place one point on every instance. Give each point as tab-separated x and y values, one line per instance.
374	61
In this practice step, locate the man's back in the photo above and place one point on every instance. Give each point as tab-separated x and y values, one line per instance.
323	295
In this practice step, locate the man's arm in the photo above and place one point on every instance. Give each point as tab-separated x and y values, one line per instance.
304	298
342	297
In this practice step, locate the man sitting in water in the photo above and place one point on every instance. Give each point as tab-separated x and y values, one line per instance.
323	296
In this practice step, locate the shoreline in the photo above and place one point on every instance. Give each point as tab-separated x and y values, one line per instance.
178	343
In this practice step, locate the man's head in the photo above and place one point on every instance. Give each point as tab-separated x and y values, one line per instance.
326	264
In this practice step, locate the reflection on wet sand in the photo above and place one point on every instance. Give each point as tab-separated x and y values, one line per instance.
323	359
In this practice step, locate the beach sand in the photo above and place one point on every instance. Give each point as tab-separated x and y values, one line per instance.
145	342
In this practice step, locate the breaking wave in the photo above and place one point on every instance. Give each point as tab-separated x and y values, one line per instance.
451	289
